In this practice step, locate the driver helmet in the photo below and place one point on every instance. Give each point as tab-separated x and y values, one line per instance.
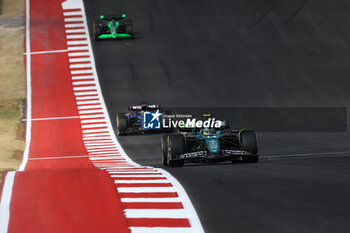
206	131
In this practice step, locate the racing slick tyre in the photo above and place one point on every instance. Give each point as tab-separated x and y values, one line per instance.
121	123
164	148
176	146
96	30
129	29
249	143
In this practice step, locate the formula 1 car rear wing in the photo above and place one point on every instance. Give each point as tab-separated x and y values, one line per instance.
111	17
144	107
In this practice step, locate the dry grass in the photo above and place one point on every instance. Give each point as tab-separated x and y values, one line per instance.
12	83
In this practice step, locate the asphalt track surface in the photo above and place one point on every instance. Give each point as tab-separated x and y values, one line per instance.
253	53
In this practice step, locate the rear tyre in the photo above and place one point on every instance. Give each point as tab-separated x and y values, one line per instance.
176	146
249	143
164	148
96	30
121	123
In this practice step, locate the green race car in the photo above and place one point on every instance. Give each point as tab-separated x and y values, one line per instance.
113	27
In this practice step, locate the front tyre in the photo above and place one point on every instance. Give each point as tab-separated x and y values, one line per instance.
176	146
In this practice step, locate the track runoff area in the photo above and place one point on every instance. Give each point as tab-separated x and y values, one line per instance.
75	176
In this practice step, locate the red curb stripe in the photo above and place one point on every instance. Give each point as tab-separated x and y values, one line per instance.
77	45
153	205
81	75
80	62
73	16
148	195
73	28
78	51
76	39
74	22
75	33
71	10
159	222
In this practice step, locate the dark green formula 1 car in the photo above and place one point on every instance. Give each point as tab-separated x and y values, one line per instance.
211	145
113	27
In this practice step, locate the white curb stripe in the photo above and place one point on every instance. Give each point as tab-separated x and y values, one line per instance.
139	181
72	13
78	42
90	111
73	25
88	106
155	213
94	120
146	190
79	60
87	71
78	54
81	65
75	30
162	230
84	83
86	98
85	93
73	19
136	176
175	199
79	36
76	48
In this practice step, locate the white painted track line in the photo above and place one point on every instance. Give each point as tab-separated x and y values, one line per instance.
48	51
53	118
5	201
28	89
61	157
